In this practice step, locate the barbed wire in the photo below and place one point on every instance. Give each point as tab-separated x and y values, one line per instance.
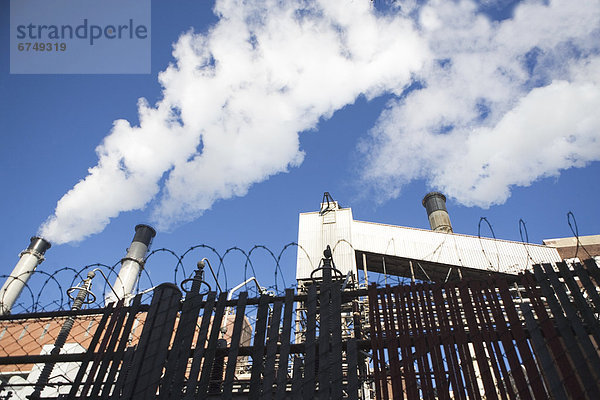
45	288
525	240
495	242
575	231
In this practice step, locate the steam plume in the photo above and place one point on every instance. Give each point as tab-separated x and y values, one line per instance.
497	104
233	104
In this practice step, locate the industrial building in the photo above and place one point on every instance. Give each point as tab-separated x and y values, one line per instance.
477	318
435	255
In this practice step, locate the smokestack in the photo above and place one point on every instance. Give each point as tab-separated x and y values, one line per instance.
435	204
28	261
132	263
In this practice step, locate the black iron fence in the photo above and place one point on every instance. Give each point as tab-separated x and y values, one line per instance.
488	339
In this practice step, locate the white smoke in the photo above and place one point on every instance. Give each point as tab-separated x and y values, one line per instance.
234	102
501	104
497	104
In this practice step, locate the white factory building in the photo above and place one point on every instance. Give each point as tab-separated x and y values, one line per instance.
433	255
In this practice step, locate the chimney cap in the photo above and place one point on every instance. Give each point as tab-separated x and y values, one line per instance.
432	194
140	226
144	234
38	244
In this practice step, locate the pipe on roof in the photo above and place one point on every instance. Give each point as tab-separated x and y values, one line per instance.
132	264
29	259
435	204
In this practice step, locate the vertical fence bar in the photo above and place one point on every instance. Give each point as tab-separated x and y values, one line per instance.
190	391
272	339
158	346
259	347
308	383
582	305
573	320
433	339
462	343
335	357
282	369
535	383
416	331
390	311
421	371
553	380
90	352
213	343
106	350
475	334
380	375
352	359
497	330
410	378
234	346
565	328
590	288
387	334
592	267
297	378
118	359
550	333
458	388
324	335
122	377
488	335
177	362
144	376
518	335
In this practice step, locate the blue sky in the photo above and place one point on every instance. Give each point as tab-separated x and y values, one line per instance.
418	104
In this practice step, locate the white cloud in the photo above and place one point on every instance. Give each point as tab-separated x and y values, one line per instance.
505	103
234	102
502	103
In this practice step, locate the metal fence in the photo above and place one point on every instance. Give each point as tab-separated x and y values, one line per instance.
470	339
485	340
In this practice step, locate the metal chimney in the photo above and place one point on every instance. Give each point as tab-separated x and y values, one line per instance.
28	261
132	263
435	204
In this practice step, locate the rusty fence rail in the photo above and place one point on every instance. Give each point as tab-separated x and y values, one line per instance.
536	339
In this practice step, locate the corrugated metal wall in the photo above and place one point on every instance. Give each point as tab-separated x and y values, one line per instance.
345	235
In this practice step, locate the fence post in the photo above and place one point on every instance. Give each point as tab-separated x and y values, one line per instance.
63	335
